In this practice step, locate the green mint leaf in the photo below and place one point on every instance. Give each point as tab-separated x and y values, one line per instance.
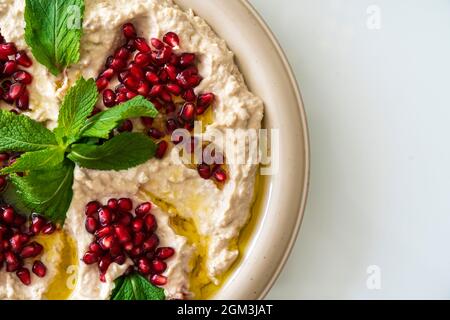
48	192
75	109
136	287
100	125
36	160
53	31
127	150
19	133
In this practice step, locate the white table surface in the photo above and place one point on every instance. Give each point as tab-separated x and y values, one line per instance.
378	104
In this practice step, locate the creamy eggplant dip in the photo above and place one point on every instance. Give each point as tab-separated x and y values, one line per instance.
193	213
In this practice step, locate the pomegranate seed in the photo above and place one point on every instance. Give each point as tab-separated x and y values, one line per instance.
92	208
23	77
23	102
205	100
150	223
129	31
165	96
172	39
113	204
187	59
12	262
122	234
138	238
147	121
49	228
126	126
131	83
144	266
8	215
156	90
125	219
165	253
17	241
121	97
171	125
104	216
152	77
122	76
39	269
136	252
109	98
95	248
122	54
107	74
136	71
161	57
120	259
158	44
102	83
142	45
143	209
90	258
174	60
151	243
143	59
130	95
204	171
7	49
24	275
128	246
171	71
9	68
155	133
143	89
174	89
161	149
125	204
91	225
220	175
188	112
103	232
16	90
158	280
107	242
117	64
137	224
189	95
31	250
158	266
23	59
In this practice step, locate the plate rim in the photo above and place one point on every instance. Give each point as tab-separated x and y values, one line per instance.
305	128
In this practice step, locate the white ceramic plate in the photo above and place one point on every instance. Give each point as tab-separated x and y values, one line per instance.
268	75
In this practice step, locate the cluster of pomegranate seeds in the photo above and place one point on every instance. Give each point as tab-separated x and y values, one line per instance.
119	234
14	80
167	79
17	245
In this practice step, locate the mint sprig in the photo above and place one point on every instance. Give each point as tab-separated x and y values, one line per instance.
75	109
124	151
49	157
136	287
100	125
47	191
19	133
52	31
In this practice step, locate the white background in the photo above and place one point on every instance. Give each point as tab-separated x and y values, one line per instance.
378	105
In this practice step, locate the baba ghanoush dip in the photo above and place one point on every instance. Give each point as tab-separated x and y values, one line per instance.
172	227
